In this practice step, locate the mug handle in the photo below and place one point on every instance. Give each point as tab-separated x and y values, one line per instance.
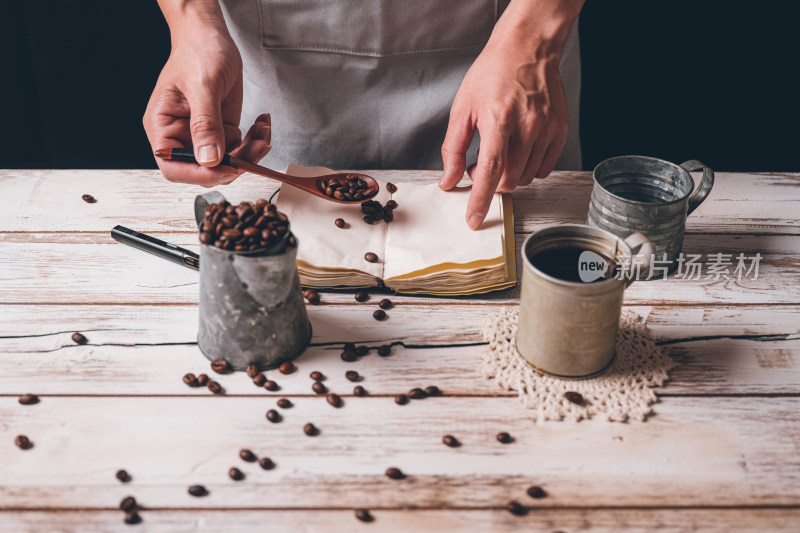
647	250
705	185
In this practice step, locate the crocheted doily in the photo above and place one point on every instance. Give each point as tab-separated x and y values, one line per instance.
624	391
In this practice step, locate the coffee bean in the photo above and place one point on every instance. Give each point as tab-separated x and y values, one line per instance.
349	356
535	491
128	504
368	219
362	295
388	216
220	366
235	474
123	476
79	338
362	350
349	346
391	204
335	400
504	437
190	379
252	371
391	187
385	350
385	304
132	518
516	508
319	388
247	455
266	463
28	399
88	198
287	367
394	473
313	297
364	515
433	390
310	430
316	375
358	390
339	222
451	441
285	403
215	387
574	397
370	257
379	314
23	442
260	380
202	380
271	386
273	416
401	399
352	375
198	491
416	394
206	238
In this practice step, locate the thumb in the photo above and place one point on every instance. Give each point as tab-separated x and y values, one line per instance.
205	124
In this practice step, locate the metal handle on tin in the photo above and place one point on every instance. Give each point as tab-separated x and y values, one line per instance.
707	182
642	259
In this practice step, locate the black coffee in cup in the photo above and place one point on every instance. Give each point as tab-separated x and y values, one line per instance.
573	263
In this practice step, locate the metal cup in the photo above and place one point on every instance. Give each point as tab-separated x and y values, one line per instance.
569	328
251	306
636	193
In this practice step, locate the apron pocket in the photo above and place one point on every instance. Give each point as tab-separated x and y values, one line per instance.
376	28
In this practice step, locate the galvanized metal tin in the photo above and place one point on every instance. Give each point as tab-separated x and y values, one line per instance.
566	328
648	195
251	306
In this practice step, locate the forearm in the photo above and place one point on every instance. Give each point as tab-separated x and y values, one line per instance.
191	17
536	26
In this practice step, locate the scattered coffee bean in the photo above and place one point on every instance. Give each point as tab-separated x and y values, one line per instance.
385	350
386	303
244	228
316	375
349	346
287	367
362	350
335	400
348	356
23	442
362	295
271	386
274	416
236	474
28	399
359	391
285	403
352	375
310	430
504	437
88	198
215	387
391	204
79	338
132	518
190	379
252	371
312	296
391	187
433	390
259	380
128	504
451	441
374	211
535	491
247	455
266	463
346	188
401	399
339	222
370	257
123	476
220	366
319	388
198	491
394	473
416	394
364	515
516	508
202	380
379	314
574	397
369	219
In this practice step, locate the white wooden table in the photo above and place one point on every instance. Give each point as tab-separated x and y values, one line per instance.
721	452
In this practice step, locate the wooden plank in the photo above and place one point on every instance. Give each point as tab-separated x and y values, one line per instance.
146	350
142	199
431	521
715	452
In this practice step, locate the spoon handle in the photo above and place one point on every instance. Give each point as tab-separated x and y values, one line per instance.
187	155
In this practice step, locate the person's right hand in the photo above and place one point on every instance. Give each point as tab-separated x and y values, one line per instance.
197	102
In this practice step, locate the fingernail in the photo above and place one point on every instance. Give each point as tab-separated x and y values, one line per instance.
475	221
207	153
262	118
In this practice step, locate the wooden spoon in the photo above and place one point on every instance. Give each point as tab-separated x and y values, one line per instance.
335	184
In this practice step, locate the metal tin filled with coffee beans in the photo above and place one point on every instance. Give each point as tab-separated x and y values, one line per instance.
251	304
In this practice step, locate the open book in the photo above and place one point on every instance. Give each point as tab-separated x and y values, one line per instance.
426	249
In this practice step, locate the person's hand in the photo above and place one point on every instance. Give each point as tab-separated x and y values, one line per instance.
197	102
513	95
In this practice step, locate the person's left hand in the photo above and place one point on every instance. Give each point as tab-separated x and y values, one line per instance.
515	99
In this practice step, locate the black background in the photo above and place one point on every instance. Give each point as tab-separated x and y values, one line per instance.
675	79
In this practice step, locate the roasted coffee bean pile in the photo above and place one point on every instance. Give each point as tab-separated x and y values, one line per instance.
375	212
245	227
347	188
